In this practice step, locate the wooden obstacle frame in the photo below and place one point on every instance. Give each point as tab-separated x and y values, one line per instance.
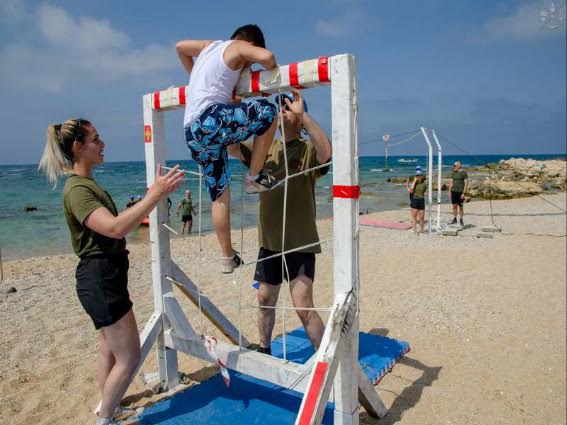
335	365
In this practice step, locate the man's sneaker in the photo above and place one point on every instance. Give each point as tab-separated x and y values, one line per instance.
454	221
262	183
462	223
229	263
265	350
119	412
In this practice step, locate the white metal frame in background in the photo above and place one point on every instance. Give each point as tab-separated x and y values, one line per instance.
335	364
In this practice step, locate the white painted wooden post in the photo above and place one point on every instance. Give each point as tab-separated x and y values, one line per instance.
345	224
439	177
154	141
429	178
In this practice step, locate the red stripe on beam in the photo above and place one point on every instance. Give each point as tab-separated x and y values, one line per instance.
156	100
323	69
182	95
313	393
293	77
255	81
350	192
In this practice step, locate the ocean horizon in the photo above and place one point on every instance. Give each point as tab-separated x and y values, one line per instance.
43	231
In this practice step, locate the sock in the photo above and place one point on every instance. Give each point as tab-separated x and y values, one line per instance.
102	421
251	178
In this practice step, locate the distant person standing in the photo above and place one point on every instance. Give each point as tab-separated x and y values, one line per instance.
187	211
458	186
417	191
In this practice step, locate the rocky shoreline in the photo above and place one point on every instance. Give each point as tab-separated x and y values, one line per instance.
511	178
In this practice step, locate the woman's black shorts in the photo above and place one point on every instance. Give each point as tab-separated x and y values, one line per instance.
270	271
102	287
417	203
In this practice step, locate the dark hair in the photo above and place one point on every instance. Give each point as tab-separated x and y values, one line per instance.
251	33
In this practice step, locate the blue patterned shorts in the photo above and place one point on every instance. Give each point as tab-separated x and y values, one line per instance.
221	125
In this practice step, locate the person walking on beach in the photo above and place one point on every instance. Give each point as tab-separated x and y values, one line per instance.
187	211
98	234
214	120
417	191
458	186
301	227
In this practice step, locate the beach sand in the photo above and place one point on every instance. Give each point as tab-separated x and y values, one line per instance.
485	319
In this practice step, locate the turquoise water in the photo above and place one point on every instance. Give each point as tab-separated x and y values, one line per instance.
44	231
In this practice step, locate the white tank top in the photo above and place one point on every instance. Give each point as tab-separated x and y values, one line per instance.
211	81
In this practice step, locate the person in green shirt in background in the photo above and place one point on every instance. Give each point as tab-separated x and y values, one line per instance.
417	191
186	208
98	233
301	227
458	186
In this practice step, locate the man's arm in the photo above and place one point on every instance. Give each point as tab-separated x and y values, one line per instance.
240	53
187	49
319	138
178	208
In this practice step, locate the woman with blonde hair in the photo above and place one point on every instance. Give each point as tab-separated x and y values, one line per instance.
98	231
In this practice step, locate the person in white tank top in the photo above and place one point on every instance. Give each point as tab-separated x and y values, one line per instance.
213	120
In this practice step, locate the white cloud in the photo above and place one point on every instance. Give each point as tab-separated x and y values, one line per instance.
523	24
351	23
66	50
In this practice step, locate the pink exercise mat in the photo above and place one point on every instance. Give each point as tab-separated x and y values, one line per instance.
367	221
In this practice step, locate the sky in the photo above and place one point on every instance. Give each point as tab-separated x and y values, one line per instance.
483	73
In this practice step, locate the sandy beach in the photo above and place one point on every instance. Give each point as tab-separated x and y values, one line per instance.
485	319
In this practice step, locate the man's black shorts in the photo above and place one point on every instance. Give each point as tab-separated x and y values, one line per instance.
417	203
186	218
456	198
298	263
102	287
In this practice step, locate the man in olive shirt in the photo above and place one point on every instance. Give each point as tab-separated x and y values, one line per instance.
458	185
300	224
187	211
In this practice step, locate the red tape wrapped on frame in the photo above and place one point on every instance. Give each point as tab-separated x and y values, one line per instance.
349	192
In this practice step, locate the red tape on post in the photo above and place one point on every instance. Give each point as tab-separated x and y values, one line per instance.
157	104
323	69
255	81
350	192
293	77
313	393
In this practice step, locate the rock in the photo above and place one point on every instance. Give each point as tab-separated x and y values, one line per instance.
10	290
501	189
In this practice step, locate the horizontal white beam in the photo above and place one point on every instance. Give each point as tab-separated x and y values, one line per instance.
261	366
297	75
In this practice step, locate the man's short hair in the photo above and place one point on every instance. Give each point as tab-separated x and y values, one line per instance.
251	33
457	163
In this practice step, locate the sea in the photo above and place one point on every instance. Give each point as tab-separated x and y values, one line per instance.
32	222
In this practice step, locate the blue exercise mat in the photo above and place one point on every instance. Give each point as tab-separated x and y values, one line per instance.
253	401
248	401
376	354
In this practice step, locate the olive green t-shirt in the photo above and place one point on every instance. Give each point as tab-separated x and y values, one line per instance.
459	178
81	196
186	206
301	227
419	189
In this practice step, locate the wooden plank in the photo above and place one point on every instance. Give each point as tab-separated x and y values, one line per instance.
261	366
345	224
369	398
210	310
327	359
154	143
176	317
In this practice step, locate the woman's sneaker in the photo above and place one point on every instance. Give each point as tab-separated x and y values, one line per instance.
262	183
119	412
228	264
